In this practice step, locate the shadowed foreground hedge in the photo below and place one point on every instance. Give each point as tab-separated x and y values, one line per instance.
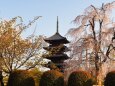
20	78
52	78
110	79
80	78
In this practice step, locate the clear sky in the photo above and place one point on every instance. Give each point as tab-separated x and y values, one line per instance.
66	10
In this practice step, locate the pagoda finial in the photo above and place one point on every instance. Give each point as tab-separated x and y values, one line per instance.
57	25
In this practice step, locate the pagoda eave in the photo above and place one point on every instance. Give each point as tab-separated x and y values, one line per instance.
56	38
60	41
58	57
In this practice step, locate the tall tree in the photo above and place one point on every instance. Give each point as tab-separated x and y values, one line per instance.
15	51
92	37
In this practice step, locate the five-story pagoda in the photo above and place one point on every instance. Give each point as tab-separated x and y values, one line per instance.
56	49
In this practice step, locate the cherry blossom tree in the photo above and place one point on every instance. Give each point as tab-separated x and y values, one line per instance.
92	39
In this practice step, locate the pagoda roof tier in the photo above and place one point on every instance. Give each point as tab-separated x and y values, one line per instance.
57	39
58	57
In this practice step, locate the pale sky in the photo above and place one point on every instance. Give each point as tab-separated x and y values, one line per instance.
66	10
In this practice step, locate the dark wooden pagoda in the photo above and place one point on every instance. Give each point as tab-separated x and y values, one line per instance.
57	49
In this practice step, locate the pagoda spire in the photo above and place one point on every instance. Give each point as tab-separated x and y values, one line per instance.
57	26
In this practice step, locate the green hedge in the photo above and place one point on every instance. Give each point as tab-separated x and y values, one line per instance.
80	78
20	78
110	79
52	78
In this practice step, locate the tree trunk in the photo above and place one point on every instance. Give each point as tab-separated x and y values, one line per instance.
1	79
98	71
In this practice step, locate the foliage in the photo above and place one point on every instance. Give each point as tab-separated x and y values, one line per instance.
52	66
52	78
20	78
80	78
36	74
16	51
110	79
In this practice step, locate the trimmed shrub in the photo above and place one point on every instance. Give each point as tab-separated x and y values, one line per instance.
80	78
20	78
110	79
52	78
